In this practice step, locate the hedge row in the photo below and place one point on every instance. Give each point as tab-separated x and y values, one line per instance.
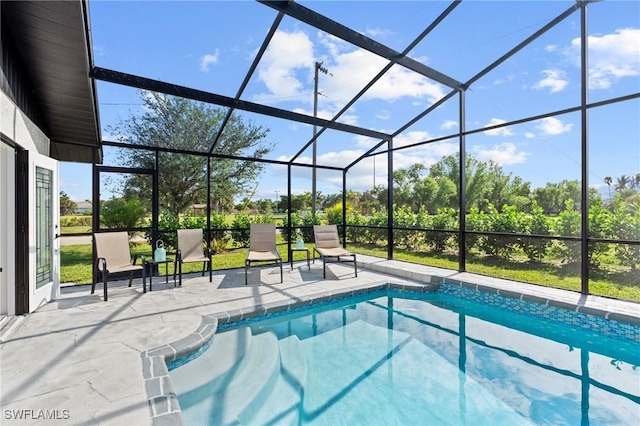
620	221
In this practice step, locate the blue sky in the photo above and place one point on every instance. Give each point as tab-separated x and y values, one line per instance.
209	45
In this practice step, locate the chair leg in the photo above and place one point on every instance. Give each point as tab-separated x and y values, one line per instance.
355	265
246	265
95	279
204	265
324	267
131	278
281	279
104	284
210	270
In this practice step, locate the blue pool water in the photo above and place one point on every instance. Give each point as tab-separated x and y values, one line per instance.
450	357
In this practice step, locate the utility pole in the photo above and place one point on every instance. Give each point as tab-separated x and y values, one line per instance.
322	69
277	201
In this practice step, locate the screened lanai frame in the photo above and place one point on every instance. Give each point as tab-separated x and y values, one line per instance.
385	145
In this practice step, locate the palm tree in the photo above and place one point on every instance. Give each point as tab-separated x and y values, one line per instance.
622	183
635	182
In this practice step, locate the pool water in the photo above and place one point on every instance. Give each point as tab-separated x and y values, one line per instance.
413	359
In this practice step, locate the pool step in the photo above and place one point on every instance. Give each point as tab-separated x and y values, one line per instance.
219	362
238	392
282	404
341	360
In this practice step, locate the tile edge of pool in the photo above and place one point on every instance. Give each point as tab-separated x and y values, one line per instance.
163	401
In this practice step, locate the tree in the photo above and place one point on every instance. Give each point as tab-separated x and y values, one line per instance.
553	196
622	183
121	213
67	205
172	122
477	173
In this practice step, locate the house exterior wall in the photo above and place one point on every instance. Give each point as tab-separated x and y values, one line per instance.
18	130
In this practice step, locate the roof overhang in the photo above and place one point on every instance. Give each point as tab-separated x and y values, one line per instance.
54	43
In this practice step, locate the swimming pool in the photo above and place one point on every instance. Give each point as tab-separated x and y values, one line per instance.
456	356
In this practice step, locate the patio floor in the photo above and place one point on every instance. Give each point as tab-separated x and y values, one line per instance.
78	359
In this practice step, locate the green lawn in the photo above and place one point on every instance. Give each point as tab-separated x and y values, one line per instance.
617	284
75	262
76	267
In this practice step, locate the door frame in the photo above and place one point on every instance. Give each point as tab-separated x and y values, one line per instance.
50	290
155	210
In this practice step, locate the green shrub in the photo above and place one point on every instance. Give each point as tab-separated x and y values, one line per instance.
536	223
356	234
219	238
241	233
307	227
446	218
378	235
296	222
121	213
68	221
476	220
625	225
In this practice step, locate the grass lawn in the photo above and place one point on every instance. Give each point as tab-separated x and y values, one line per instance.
620	285
76	267
75	262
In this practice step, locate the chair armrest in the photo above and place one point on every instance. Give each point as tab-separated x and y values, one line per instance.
207	251
178	255
104	263
136	256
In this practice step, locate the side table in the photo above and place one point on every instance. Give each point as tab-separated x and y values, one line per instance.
150	263
294	249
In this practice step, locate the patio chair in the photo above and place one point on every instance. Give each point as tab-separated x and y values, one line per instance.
113	256
262	246
191	248
327	245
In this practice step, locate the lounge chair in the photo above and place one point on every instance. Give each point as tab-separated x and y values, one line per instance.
191	248
113	256
327	245
262	246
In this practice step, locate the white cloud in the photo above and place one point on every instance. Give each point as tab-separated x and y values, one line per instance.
209	59
448	125
507	79
611	56
504	154
287	54
502	131
556	80
529	135
409	138
378	32
287	70
553	126
361	176
383	115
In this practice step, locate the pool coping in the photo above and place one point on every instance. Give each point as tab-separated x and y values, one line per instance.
163	400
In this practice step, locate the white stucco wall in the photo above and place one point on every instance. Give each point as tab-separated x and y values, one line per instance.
20	129
17	127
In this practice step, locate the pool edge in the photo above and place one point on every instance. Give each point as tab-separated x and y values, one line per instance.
163	401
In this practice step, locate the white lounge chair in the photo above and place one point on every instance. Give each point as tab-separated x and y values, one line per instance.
112	256
327	245
262	246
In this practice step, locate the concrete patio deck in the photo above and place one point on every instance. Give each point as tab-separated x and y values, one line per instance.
78	359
